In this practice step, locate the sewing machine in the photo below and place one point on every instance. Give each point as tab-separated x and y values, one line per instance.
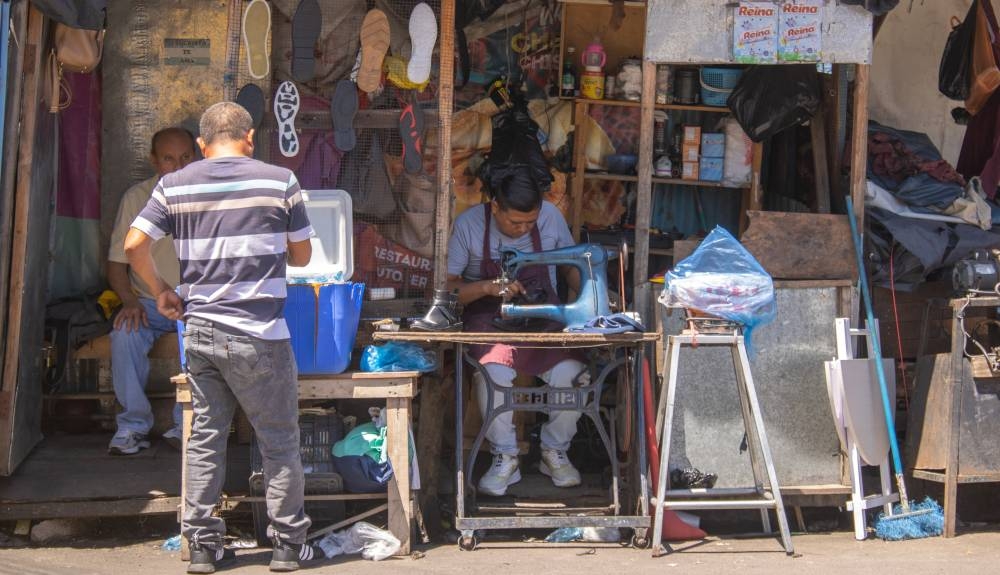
592	262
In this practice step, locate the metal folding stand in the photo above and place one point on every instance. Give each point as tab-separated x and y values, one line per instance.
547	399
759	496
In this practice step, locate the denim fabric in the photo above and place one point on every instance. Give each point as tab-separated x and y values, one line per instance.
226	368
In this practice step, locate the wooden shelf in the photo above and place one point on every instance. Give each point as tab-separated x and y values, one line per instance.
631	104
671	181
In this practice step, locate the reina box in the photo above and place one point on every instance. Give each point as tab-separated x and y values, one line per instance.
713	145
690	152
690	171
692	135
711	169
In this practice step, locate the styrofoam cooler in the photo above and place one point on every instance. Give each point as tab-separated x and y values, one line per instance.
323	306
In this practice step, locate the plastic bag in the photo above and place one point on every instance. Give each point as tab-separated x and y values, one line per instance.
373	543
722	278
769	99
515	149
397	356
956	60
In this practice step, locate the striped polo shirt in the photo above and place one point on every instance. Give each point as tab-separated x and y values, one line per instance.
231	219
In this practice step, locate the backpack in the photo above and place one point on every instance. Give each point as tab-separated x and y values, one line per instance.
75	50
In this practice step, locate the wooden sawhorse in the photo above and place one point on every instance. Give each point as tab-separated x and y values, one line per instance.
398	390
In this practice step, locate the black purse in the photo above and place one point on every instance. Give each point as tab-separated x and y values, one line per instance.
956	60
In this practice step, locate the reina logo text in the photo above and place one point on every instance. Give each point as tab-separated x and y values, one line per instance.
790	8
748	11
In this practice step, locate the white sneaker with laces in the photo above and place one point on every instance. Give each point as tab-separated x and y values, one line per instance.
557	466
503	473
174	437
127	442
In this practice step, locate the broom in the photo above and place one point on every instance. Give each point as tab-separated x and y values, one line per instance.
907	521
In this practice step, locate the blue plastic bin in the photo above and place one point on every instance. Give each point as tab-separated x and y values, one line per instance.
717	84
323	331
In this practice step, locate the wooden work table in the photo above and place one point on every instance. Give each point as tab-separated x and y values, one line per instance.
548	339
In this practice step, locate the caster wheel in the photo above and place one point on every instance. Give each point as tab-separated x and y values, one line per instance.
468	543
640	542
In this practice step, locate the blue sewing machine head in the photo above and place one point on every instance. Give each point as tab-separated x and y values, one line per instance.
592	262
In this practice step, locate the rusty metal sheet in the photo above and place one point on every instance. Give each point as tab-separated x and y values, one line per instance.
801	246
700	31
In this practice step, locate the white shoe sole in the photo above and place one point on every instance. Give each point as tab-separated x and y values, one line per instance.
423	35
286	106
514	478
129	451
557	482
256	36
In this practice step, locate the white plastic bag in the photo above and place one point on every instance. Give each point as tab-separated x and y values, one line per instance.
373	543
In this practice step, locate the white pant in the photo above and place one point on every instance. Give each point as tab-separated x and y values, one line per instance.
556	433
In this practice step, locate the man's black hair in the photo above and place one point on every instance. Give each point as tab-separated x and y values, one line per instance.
171	131
515	189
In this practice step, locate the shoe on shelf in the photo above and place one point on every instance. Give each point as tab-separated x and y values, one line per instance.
692	478
290	556
205	559
127	442
556	465
502	474
174	437
441	316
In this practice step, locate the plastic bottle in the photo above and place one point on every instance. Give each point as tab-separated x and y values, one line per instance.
568	83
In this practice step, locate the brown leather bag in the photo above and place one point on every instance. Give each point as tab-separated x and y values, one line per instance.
985	69
74	50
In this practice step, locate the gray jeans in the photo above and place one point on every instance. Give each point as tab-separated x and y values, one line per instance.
227	367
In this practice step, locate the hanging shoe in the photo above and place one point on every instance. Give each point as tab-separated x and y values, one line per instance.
286	106
423	36
441	316
343	107
256	33
374	44
411	131
306	25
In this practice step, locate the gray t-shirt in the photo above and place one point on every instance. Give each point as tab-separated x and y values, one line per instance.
465	247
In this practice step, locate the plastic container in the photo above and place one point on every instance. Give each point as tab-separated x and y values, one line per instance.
713	145
333	246
323	321
717	84
592	83
593	55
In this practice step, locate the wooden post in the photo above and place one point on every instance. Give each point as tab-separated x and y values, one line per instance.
644	201
398	441
436	401
581	122
754	198
817	131
446	99
859	142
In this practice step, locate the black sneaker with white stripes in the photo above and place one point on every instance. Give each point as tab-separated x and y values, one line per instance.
205	559
290	556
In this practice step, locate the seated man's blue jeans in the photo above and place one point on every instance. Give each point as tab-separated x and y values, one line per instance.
130	369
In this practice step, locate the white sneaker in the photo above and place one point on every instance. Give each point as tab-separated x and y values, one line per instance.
556	465
174	437
127	442
503	473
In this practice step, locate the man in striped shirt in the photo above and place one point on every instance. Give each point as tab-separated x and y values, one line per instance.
236	224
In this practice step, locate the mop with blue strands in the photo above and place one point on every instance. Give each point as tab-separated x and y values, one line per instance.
907	521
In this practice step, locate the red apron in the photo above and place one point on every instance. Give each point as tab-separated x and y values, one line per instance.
478	315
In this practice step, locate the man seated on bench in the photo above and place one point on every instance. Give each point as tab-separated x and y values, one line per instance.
516	217
138	323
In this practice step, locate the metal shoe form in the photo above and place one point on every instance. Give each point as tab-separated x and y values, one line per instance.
441	316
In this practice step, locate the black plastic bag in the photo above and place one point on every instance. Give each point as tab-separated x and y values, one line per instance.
515	148
956	60
769	99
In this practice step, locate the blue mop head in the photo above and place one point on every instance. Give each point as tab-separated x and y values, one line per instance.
897	527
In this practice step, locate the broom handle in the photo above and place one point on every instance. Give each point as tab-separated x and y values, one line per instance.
897	462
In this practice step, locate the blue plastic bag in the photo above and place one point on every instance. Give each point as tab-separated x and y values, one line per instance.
397	356
721	278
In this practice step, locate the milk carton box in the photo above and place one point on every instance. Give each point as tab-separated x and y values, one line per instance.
755	33
800	31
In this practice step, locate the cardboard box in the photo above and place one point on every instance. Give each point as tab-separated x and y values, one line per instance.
713	145
710	169
690	171
690	153
692	135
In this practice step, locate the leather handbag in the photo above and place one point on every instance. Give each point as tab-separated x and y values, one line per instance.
73	50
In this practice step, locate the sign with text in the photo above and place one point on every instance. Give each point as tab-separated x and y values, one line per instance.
187	51
800	25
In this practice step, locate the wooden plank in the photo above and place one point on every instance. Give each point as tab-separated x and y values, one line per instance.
19	428
644	198
165	347
91	508
832	104
811	284
574	338
859	142
340	389
446	98
817	132
755	199
398	442
581	125
801	246
436	401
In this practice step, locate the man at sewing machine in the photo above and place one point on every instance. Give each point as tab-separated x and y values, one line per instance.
517	217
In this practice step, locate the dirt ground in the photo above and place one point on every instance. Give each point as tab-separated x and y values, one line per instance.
126	548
